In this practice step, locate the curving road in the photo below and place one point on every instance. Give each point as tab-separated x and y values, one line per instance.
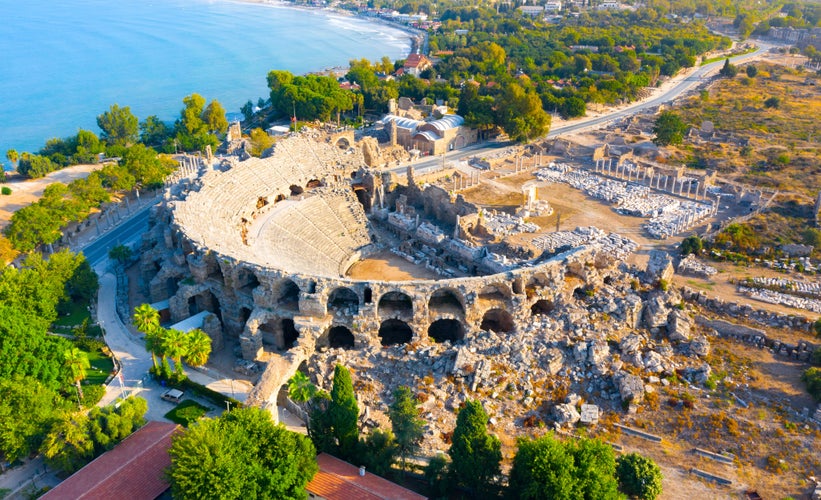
686	84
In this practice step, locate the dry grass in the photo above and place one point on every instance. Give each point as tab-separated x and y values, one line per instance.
783	151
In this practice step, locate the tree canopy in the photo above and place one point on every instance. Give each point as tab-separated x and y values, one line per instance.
242	454
639	476
475	454
669	129
119	125
408	428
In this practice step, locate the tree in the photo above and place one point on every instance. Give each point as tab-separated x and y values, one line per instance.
148	169
300	388
173	346
77	364
12	156
154	132
812	379
27	410
68	445
197	347
669	129
120	127
378	451
475	454
260	142
247	111
728	70
751	70
242	454
121	254
146	318
543	468
521	114
639	476
595	468
214	118
405	422
343	412
691	244
772	102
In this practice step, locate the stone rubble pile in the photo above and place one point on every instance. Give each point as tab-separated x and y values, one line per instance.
503	224
613	244
773	297
787	285
589	345
692	266
668	215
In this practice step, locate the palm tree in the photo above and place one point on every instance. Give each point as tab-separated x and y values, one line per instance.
12	156
147	320
174	346
77	364
300	388
197	347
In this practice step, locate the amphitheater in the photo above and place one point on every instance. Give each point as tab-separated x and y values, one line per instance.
260	250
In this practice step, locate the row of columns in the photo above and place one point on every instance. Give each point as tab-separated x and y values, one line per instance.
646	175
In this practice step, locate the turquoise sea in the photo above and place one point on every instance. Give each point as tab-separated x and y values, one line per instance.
64	62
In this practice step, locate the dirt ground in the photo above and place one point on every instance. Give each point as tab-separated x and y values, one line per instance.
24	192
720	286
387	266
758	435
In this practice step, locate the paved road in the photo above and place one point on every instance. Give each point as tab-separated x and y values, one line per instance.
128	230
695	78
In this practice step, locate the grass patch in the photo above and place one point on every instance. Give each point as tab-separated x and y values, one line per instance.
701	284
77	313
101	366
187	412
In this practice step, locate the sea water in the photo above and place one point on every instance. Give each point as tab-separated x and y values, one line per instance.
65	62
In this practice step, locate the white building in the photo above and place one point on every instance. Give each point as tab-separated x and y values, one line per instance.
553	6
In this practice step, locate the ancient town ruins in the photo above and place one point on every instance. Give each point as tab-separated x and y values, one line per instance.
271	256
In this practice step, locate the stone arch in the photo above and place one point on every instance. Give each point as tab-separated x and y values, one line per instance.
244	316
288	295
542	306
279	332
395	303
498	292
367	295
289	333
246	281
395	331
363	194
343	300
343	143
446	301
204	301
215	272
446	329
341	336
498	320
537	281
295	190
313	183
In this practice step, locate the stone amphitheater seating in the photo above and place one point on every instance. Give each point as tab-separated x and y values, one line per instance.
318	234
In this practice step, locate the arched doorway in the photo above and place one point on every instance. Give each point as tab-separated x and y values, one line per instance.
343	300
446	329
204	301
289	334
498	320
394	304
446	301
395	331
340	336
288	296
542	306
495	292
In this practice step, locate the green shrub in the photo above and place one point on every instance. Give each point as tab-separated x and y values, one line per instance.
5	190
812	379
92	394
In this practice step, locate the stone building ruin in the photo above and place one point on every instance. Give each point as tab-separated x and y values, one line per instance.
260	249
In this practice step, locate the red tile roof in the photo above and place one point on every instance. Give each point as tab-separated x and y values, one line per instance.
416	61
133	470
339	480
